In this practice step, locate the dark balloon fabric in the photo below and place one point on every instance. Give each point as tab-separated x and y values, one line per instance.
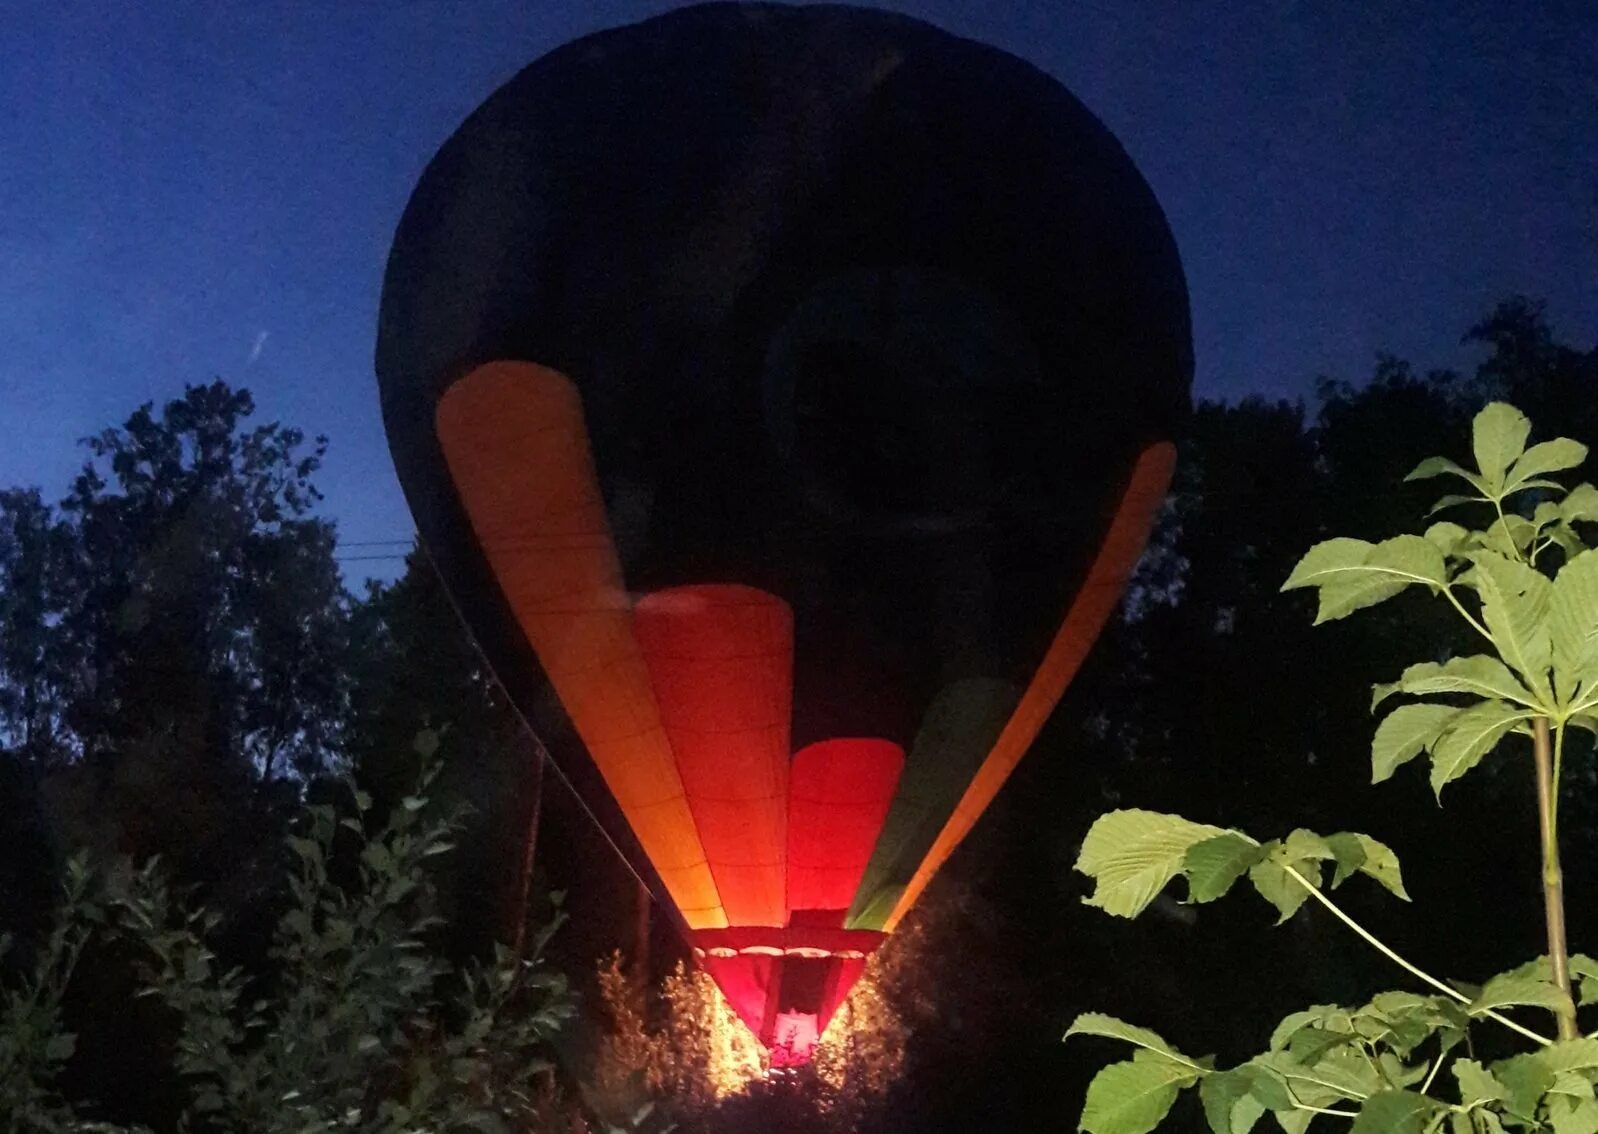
785	396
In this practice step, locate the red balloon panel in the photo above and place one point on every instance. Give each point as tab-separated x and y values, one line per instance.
838	797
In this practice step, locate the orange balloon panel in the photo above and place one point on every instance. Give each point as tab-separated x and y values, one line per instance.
516	445
721	659
1094	603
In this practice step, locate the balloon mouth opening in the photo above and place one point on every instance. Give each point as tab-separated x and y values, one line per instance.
785	983
794	1040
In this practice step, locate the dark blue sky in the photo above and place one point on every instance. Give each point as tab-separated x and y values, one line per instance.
194	189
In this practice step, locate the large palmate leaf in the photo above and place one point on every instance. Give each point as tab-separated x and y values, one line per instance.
1498	437
1405	733
1133	1097
1515	601
1573	625
1352	574
1131	856
1469	737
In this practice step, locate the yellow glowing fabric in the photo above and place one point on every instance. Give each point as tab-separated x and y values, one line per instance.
517	448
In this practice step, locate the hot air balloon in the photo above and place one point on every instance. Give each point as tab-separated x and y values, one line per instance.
784	395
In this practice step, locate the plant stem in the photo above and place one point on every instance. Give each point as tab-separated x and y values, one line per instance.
1553	879
1324	1110
1448	593
1432	1074
1509	539
1383	949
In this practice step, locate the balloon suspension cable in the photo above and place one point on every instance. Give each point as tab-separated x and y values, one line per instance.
550	765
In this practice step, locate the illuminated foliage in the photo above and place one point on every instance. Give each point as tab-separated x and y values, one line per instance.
685	1047
1525	582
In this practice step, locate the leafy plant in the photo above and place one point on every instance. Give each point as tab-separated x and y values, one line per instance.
35	1044
360	1026
1526	583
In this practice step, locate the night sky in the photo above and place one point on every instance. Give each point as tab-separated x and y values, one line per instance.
199	189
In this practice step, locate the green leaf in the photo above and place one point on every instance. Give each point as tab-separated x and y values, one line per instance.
1573	624
1271	878
1331	1017
1515	602
1353	574
1548	456
60	1047
1380	693
1310	1045
1476	1083
1546	513
1368	856
1509	536
1098	1024
1585	968
1327	560
1350	855
1404	733
1469	737
1132	855
1446	537
1453	501
1215	864
1132	1097
1333	1080
1580	503
426	743
1344	1070
1573	1084
1525	1081
1478	673
1266	1084
1565	536
1573	1116
1568	1055
1394	1112
1510	988
1229	1102
1498	437
1586	721
1442	466
1304	844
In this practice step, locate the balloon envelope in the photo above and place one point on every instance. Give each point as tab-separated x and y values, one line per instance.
785	396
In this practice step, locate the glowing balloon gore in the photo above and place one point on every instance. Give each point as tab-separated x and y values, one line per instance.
784	395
